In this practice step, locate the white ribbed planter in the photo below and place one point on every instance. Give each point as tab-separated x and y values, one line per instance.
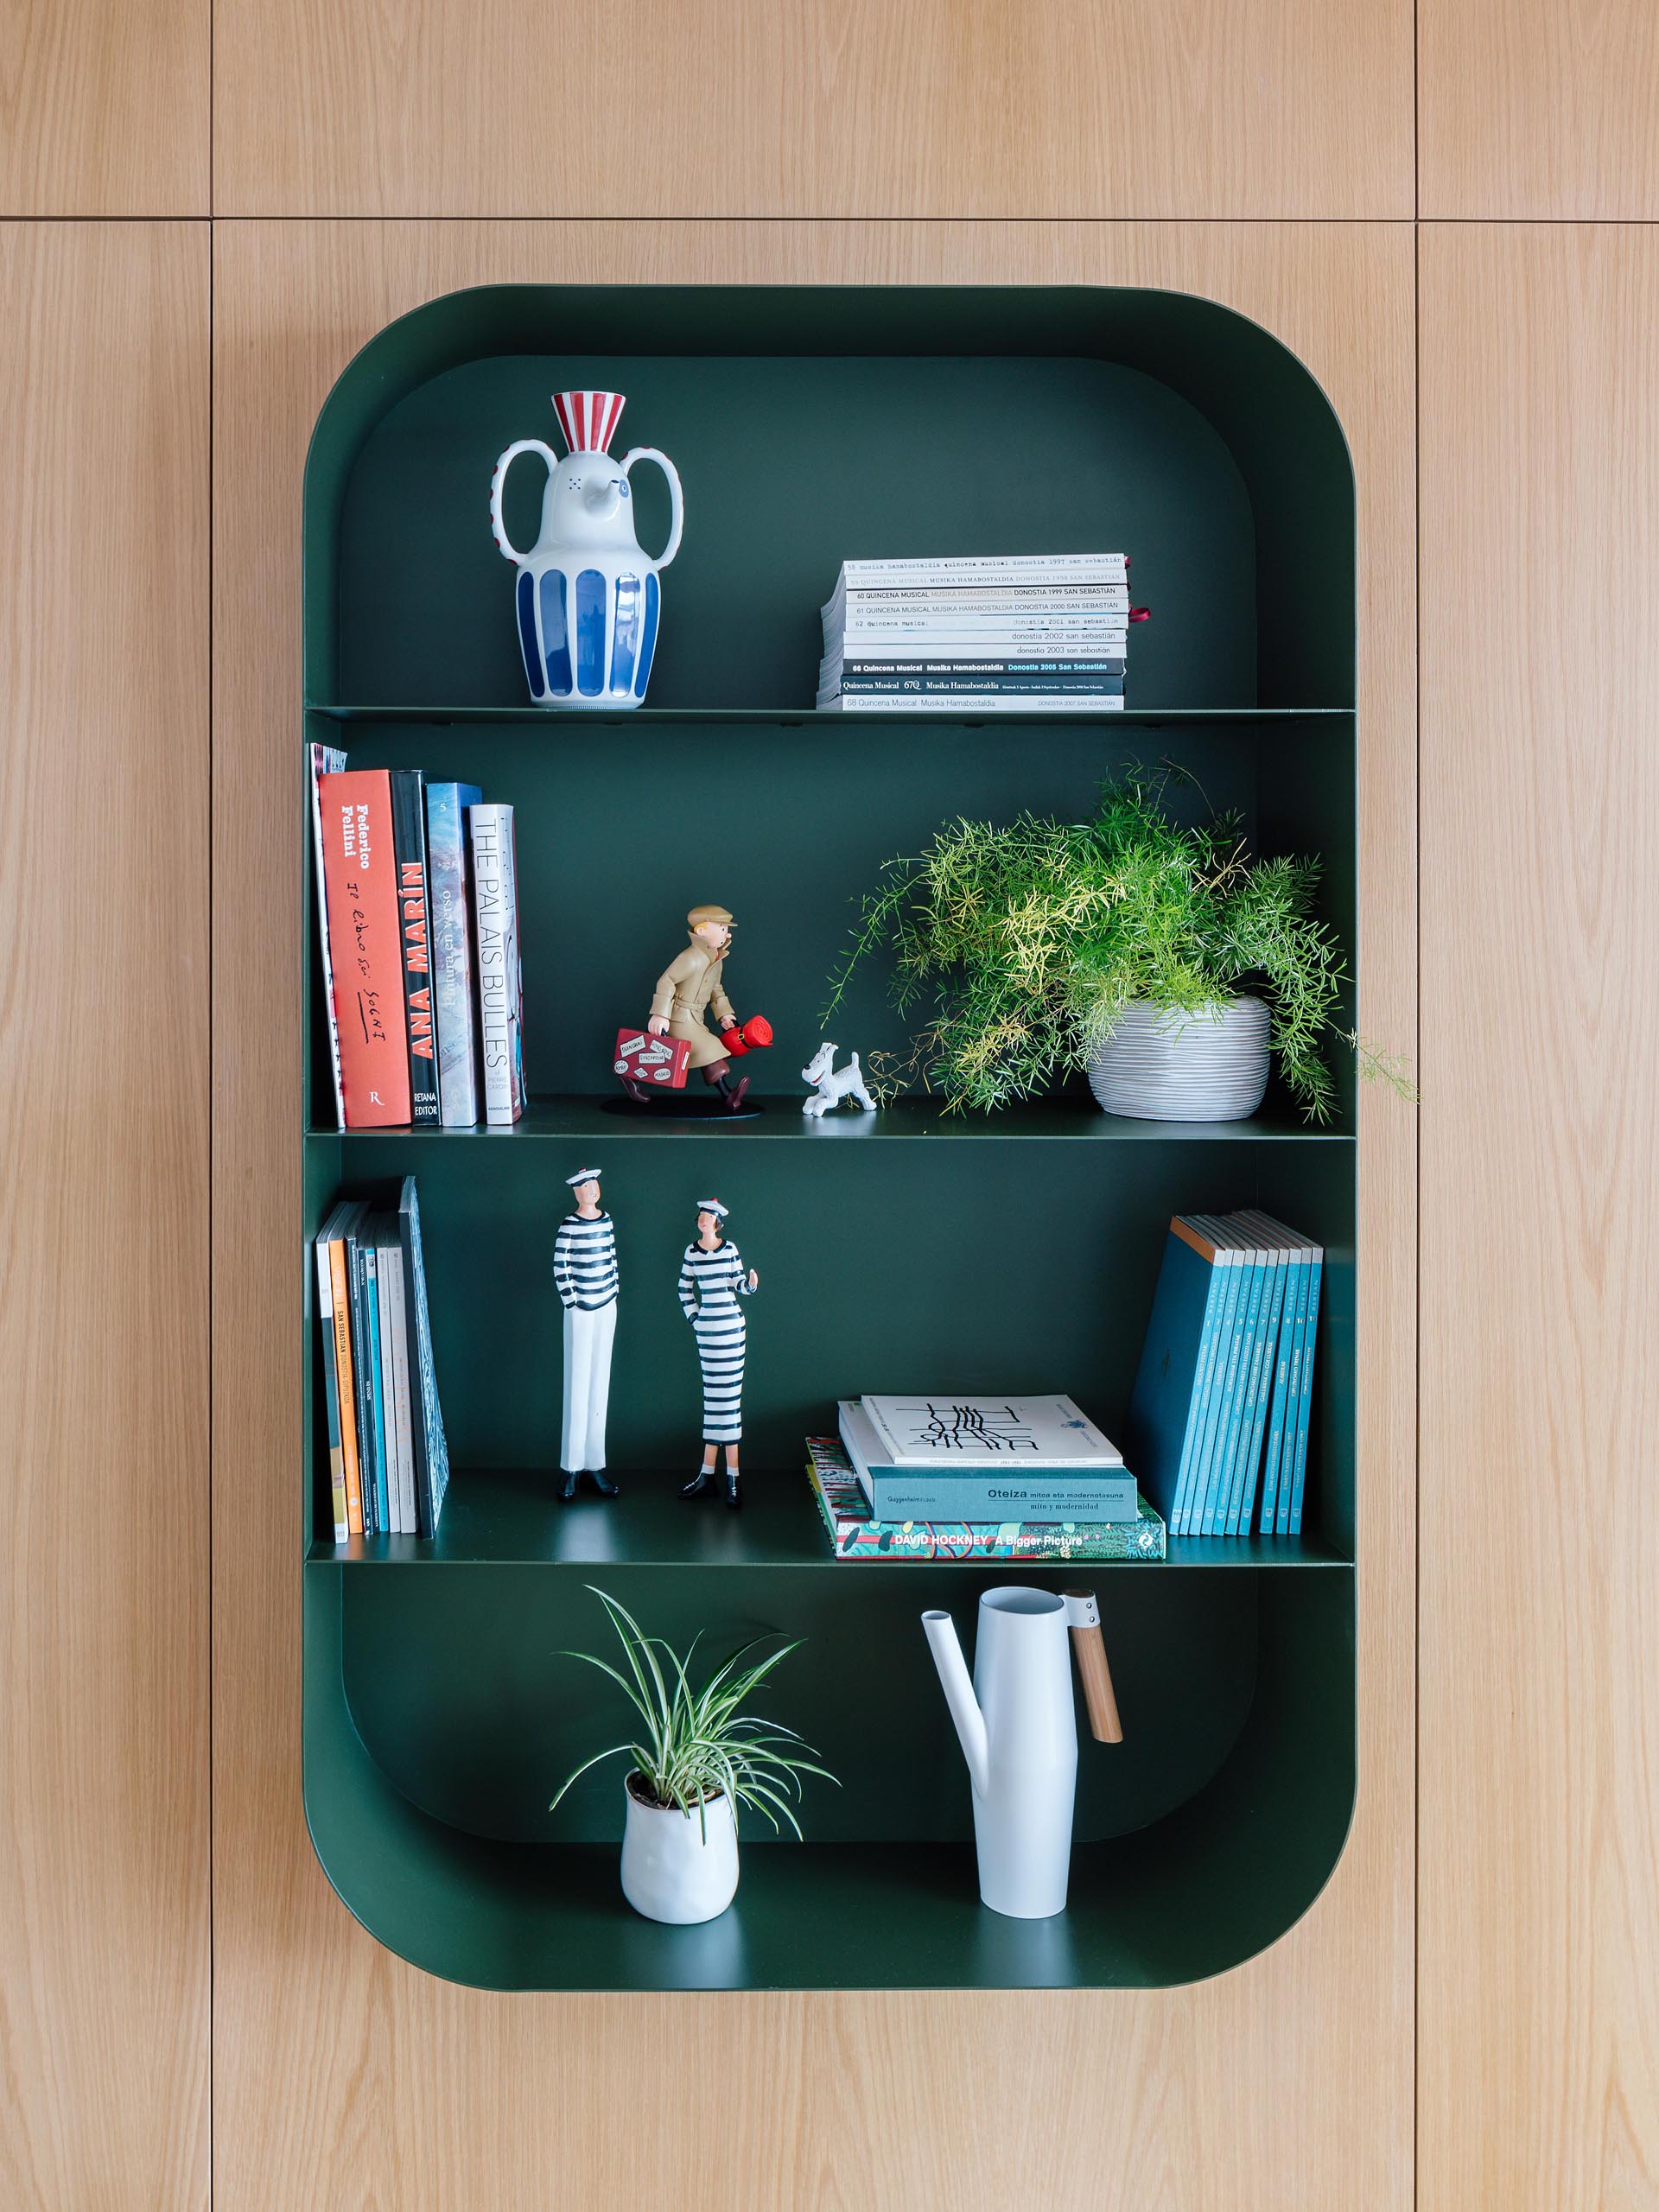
675	1867
1163	1066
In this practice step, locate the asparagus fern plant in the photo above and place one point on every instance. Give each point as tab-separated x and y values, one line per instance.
1028	941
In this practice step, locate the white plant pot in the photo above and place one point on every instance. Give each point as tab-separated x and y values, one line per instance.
1158	1065
675	1867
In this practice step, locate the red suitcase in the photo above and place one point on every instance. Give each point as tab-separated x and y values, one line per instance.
660	1061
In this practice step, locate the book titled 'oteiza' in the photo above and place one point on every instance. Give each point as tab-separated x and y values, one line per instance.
359	873
495	897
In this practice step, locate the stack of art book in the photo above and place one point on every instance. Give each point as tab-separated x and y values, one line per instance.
1046	632
417	903
947	1477
1218	1422
388	1460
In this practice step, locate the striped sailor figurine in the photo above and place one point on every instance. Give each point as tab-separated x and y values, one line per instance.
711	1278
584	1268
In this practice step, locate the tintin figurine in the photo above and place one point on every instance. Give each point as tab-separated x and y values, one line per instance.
711	1278
688	988
584	1268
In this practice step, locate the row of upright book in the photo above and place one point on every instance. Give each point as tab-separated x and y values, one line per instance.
1042	633
417	903
970	1477
1218	1421
388	1459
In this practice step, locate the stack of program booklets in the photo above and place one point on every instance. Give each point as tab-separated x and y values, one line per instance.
1221	1412
1044	633
950	1477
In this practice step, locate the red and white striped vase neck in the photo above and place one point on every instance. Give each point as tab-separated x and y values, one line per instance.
588	419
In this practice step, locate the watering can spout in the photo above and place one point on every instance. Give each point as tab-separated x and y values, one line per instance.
941	1632
603	500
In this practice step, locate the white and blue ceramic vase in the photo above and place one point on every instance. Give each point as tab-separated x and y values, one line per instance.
588	601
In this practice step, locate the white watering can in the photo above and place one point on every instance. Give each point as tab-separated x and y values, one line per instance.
587	598
1018	1734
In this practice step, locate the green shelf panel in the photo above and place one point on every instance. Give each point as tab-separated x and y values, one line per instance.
591	1121
824	721
430	1843
437	1712
509	1517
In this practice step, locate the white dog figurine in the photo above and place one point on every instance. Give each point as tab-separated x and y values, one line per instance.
833	1084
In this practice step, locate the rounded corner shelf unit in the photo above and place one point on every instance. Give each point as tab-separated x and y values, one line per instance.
810	425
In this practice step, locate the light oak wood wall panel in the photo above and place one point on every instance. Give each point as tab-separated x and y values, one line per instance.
104	1097
1539	1873
105	107
346	2078
1545	109
676	108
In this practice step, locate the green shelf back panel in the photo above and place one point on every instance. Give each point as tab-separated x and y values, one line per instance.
1017	1252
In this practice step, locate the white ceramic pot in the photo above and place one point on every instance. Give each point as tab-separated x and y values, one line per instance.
674	1867
1163	1066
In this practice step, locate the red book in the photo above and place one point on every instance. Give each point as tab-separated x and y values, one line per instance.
360	877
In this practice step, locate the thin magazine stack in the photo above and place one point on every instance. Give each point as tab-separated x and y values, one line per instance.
388	1460
1040	633
1218	1422
417	904
953	1477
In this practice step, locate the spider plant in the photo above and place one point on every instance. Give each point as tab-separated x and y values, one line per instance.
695	1746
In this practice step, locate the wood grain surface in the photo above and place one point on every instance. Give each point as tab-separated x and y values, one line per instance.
872	108
1539	1875
104	1097
1539	108
344	2078
105	107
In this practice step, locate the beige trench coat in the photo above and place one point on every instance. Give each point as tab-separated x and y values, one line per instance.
684	992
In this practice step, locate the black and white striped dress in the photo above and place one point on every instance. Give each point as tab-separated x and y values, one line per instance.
710	1283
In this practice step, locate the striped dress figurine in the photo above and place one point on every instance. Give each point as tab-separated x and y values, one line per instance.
584	1273
712	1277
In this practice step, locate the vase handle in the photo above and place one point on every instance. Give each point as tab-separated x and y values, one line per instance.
498	485
675	501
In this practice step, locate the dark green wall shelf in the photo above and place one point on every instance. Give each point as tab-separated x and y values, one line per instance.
809	425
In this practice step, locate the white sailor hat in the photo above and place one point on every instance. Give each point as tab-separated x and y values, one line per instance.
713	1206
582	1175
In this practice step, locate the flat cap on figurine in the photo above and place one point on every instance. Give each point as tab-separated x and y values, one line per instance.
582	1175
713	1206
698	915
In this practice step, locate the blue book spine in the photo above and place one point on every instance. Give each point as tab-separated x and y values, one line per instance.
377	1392
452	989
1305	1396
1166	1405
1198	1407
361	1381
1287	1449
1248	1345
896	1494
1261	1390
1209	1399
1219	1465
1279	1405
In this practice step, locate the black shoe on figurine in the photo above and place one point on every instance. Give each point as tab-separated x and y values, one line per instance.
568	1477
602	1482
734	1490
700	1484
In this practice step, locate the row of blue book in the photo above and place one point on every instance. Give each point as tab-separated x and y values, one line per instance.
1218	1423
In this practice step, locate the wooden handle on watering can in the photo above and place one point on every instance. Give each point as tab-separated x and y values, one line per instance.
1083	1616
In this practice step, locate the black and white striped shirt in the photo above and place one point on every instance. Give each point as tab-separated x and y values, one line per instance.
584	1262
708	1280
